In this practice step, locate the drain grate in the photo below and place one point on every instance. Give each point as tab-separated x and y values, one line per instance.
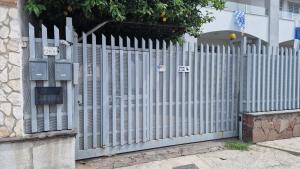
189	166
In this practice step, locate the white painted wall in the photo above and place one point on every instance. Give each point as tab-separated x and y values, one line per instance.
286	30
256	25
260	3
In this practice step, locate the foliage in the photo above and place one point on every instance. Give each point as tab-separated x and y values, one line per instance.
186	14
237	145
35	8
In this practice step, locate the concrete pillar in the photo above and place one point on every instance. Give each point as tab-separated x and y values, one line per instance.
274	14
11	113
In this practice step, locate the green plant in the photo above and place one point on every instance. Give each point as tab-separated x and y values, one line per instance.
237	145
35	8
184	14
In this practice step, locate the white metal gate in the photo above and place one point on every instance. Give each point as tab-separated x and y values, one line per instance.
135	98
135	94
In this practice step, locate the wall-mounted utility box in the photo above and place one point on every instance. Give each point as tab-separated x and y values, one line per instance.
63	71
48	95
38	70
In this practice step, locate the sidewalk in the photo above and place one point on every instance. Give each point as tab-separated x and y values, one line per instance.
291	145
279	154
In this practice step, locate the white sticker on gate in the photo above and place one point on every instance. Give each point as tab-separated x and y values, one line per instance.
50	51
161	68
184	69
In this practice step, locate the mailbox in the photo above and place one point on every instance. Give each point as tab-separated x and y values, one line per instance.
48	95
63	71
38	70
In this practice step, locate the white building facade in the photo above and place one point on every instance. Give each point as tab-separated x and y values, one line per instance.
272	22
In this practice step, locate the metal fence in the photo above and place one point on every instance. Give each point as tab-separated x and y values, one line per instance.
132	94
48	117
271	79
138	97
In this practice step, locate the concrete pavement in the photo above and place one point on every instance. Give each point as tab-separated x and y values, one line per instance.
279	154
257	158
291	145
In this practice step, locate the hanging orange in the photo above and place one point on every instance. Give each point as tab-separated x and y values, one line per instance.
232	36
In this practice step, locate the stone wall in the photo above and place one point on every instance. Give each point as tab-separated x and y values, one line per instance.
11	116
258	127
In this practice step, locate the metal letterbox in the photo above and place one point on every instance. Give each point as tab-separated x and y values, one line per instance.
38	70
48	95
63	71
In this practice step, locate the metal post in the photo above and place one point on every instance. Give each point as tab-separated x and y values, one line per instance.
241	83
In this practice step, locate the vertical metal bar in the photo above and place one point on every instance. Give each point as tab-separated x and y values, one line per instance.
223	98
212	85
183	110
195	89
148	92
241	75
114	103
233	90
264	77
157	108
189	123
69	38
298	79
76	91
151	111
151	69
45	83
85	91
32	83
259	73
171	117
282	79
129	125
268	79
248	78
164	115
228	89
273	79
294	65
201	93
290	73
104	99
277	79
218	90
240	86
207	56
144	91
177	90
57	83
122	130
137	92
286	58
94	91
254	78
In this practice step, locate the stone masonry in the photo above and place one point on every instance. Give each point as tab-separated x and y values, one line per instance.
11	116
259	127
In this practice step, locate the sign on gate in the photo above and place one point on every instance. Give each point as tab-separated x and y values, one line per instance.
184	69
50	51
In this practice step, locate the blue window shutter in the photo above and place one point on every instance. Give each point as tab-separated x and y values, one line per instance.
297	33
